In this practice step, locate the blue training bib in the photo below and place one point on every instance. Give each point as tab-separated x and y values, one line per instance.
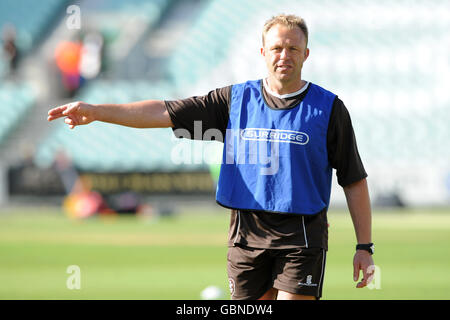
276	159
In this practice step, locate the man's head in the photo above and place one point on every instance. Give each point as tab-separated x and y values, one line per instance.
285	40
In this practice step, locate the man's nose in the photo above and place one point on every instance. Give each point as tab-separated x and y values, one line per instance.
284	53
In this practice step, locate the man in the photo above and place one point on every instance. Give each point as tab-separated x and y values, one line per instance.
278	233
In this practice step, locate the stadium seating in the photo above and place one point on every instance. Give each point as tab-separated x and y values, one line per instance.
15	101
30	18
149	11
150	8
205	46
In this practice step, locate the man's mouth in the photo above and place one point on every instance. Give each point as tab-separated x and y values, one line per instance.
284	67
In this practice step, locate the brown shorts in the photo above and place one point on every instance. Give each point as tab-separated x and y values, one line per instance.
251	272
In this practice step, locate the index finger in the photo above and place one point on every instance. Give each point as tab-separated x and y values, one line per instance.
56	113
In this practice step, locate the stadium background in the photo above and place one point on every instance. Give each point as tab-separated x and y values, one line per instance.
387	60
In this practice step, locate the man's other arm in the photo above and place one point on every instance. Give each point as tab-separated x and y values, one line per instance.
351	175
358	201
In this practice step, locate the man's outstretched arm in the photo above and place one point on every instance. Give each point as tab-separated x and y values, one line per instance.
139	114
358	202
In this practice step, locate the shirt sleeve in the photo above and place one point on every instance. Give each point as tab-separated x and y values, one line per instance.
342	148
201	117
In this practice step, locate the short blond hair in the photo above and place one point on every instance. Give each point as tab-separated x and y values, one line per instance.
289	20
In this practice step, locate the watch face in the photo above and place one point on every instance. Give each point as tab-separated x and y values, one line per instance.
372	248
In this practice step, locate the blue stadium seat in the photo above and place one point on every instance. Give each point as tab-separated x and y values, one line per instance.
15	101
30	18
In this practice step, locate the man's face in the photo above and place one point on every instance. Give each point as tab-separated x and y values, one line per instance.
284	52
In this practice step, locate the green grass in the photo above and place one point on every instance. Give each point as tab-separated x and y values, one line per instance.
175	258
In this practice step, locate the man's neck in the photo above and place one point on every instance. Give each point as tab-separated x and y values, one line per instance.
278	89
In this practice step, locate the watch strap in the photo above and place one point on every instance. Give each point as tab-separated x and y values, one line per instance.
369	247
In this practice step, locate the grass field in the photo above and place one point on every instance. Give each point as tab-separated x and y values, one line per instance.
175	258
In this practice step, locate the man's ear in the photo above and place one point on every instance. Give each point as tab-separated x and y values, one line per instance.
306	53
263	52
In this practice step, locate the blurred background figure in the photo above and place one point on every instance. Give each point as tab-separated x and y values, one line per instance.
83	202
66	171
91	55
10	50
68	56
79	60
80	200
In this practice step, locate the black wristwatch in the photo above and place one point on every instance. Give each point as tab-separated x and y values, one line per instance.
369	247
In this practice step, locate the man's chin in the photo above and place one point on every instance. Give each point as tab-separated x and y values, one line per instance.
285	76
